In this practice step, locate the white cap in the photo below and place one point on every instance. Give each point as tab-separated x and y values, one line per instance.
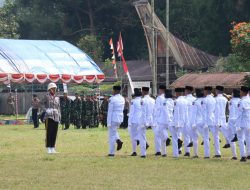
51	85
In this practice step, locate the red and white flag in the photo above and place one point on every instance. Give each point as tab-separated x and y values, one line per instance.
113	56
120	54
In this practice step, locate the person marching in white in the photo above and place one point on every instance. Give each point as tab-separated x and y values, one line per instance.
166	120
157	140
114	119
179	119
233	114
243	124
147	119
208	105
197	121
187	130
134	120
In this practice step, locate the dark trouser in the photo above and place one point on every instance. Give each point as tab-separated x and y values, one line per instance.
51	132
35	118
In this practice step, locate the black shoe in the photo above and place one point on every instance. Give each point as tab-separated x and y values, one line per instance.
143	156
157	154
226	146
164	155
168	141
187	154
190	144
180	152
147	145
134	154
245	143
202	143
119	144
234	158
206	157
111	155
217	156
235	139
243	159
179	143
195	156
137	142
248	157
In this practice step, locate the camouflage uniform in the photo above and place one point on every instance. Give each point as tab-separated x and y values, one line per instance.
104	112
65	104
89	105
96	112
83	114
77	107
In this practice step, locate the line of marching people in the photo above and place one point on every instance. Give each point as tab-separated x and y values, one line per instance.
185	117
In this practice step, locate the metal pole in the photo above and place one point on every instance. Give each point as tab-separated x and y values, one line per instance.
153	62
167	43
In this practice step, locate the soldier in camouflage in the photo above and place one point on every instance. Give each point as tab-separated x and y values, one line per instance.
83	114
77	107
96	111
89	105
104	111
65	104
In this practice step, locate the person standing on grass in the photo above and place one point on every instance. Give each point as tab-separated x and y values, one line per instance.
179	119
243	124
114	119
104	111
35	109
52	117
11	103
65	110
165	120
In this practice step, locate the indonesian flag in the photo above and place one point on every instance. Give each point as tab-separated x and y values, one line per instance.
113	56
120	46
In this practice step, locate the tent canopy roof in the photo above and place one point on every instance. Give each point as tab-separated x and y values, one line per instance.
45	60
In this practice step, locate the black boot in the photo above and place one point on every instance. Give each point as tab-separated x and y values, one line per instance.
119	144
179	143
168	141
190	144
235	139
226	146
134	154
147	145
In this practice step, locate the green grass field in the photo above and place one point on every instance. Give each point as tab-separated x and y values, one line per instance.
82	164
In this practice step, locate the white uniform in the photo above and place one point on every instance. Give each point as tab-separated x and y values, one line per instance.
147	120
187	130
197	123
220	115
165	121
114	119
208	105
179	121
233	114
243	126
156	130
135	121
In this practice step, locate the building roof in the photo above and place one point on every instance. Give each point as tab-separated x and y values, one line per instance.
139	70
228	80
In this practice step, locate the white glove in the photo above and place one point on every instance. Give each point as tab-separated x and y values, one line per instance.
194	126
205	126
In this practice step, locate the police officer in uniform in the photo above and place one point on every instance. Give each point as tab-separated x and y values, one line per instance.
95	111
52	117
65	110
114	119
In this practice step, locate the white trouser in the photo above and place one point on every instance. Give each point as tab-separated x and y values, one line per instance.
216	136
232	125
175	136
186	138
243	134
113	136
133	131
163	133
157	139
142	139
195	136
229	135
206	141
